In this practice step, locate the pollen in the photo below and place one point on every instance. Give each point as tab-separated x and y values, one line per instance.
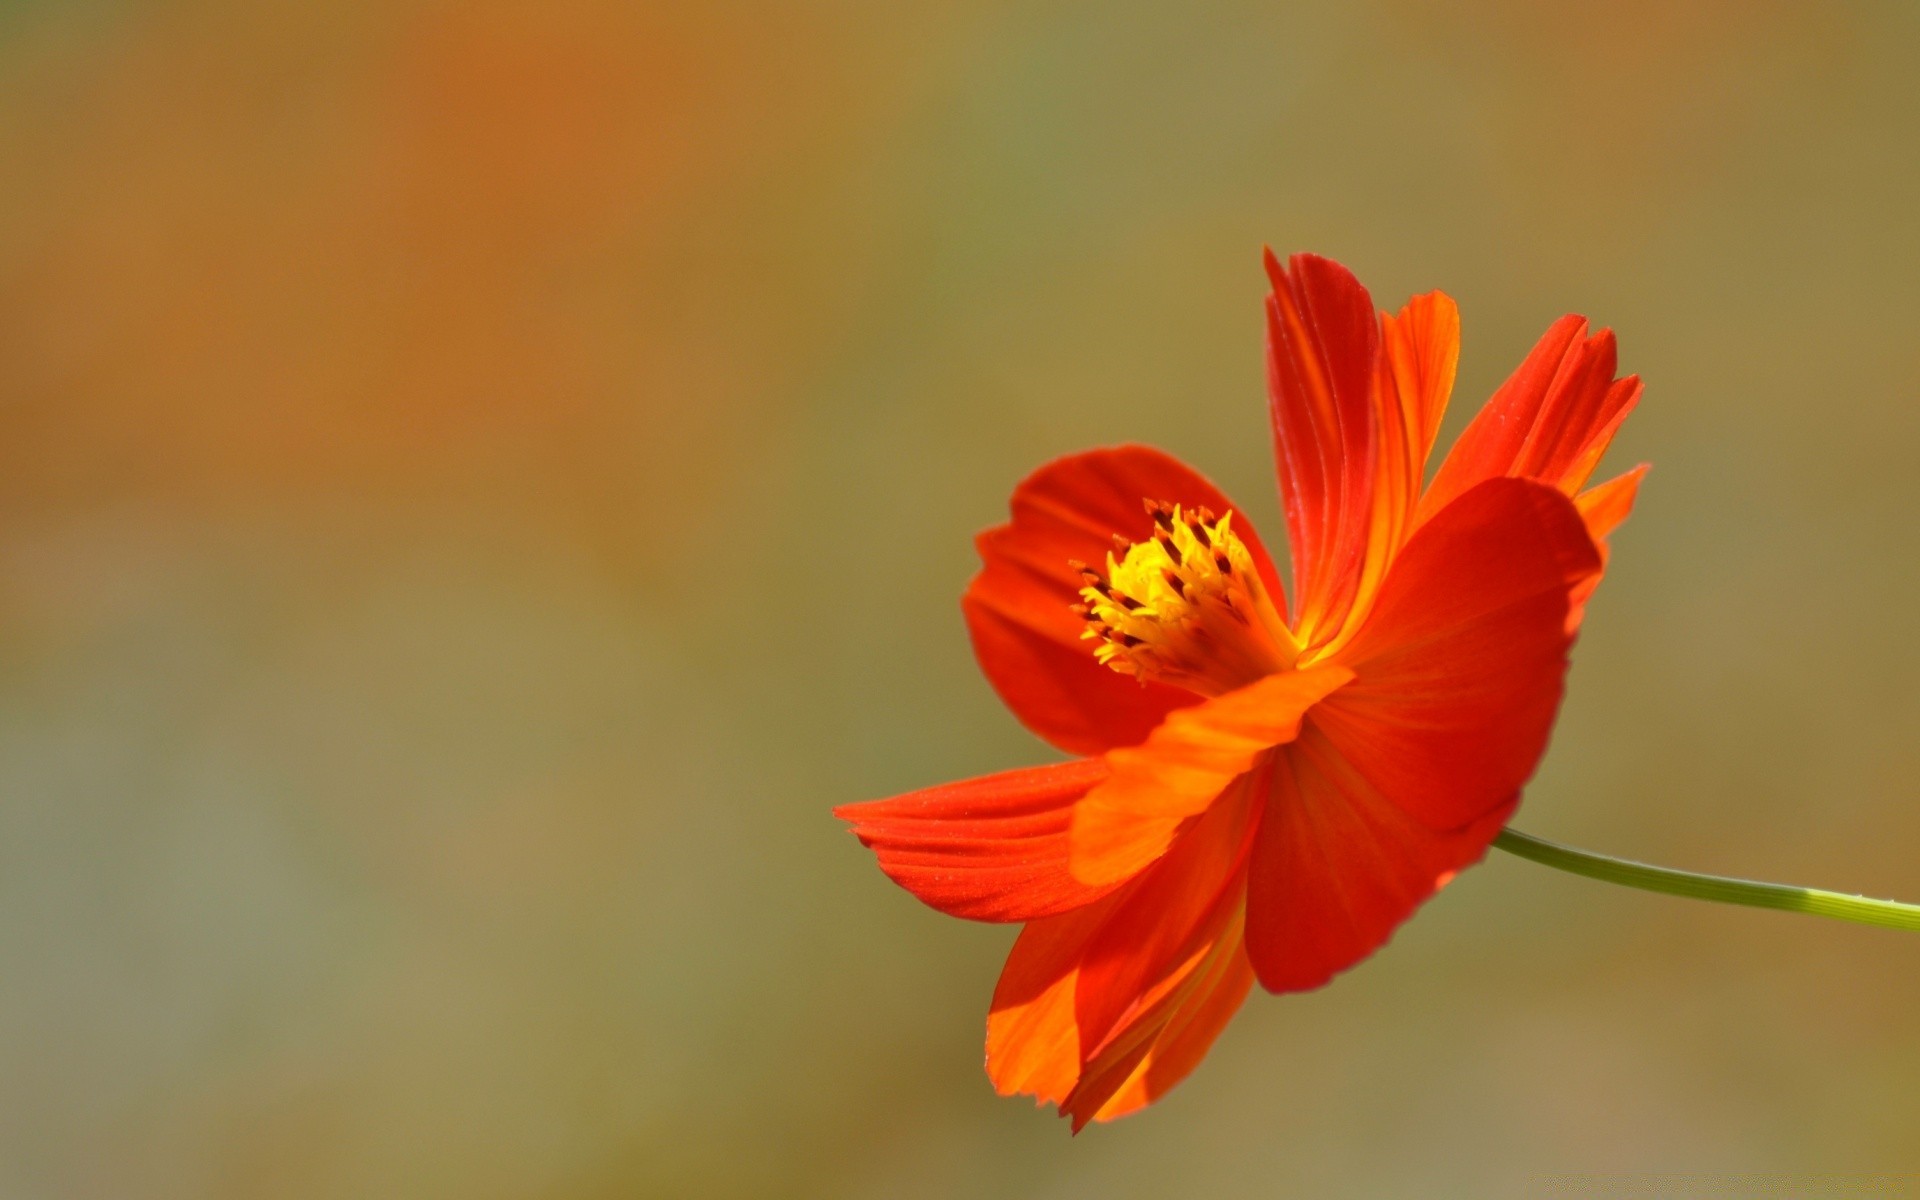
1186	607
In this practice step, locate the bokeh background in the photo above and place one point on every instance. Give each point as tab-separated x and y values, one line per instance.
479	481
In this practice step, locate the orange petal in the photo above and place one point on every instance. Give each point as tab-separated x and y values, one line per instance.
1173	916
1033	1045
988	849
1185	1039
1420	349
1132	818
1422	353
1603	507
1085	995
1018	607
1179	1020
1403	776
1550	421
1322	340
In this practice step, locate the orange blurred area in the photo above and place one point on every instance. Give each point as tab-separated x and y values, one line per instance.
479	482
490	252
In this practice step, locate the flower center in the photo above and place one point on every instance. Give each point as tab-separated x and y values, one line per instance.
1186	607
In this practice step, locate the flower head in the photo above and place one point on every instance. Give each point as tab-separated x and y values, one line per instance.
1263	791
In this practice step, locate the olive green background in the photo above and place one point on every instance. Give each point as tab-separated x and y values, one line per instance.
478	482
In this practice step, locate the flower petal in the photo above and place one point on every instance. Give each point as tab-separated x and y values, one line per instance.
1173	916
1337	865
1185	1039
1131	818
989	849
1420	349
1085	996
1142	1060
1459	670
1422	353
1550	421
1403	775
1603	507
1018	606
1322	341
1033	1045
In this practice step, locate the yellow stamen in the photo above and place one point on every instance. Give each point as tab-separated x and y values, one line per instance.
1186	607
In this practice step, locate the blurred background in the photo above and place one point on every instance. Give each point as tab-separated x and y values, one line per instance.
479	481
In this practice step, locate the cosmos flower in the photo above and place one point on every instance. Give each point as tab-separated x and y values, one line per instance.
1264	790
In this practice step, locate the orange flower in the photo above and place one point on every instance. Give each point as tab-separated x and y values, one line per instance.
1264	792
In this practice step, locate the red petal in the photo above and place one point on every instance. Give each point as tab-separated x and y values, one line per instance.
1322	340
1458	671
1155	787
1550	421
1018	607
1402	776
1337	865
989	849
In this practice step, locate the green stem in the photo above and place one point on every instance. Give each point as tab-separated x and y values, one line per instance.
1888	913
